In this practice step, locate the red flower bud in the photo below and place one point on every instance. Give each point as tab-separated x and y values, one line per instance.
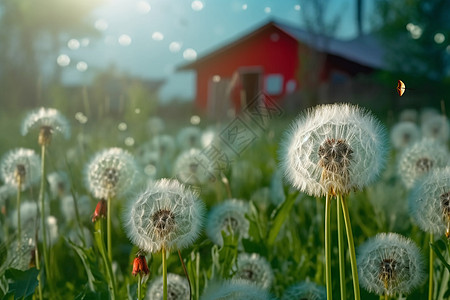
100	210
140	266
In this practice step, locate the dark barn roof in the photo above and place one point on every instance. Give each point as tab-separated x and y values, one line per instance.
365	50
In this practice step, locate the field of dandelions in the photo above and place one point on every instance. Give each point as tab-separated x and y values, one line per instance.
335	202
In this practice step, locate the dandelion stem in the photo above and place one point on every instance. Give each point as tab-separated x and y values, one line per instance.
197	281
328	245
19	227
42	207
99	238
341	249
164	265
351	246
430	282
108	229
38	266
139	296
186	273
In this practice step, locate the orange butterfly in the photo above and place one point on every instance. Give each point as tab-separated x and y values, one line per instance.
401	88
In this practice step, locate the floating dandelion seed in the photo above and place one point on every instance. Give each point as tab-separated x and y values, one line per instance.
167	215
234	290
177	288
429	202
419	159
254	269
49	121
20	168
305	291
110	173
228	216
390	264
404	134
334	148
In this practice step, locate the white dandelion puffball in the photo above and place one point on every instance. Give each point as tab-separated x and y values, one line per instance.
409	115
234	290
167	215
228	216
390	264
419	159
254	269
193	168
28	215
68	207
429	202
189	137
177	288
47	118
20	166
404	134
110	173
305	290
164	145
436	127
333	149
59	184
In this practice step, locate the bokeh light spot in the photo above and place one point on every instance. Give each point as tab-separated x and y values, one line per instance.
101	24
124	40
143	7
157	36
82	66
174	47
197	5
122	126
439	38
63	60
195	120
190	54
129	141
73	44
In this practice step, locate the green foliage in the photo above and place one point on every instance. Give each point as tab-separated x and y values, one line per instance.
22	283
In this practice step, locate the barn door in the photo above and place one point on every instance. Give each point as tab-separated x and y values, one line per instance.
251	83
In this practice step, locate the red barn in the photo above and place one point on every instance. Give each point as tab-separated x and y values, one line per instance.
272	60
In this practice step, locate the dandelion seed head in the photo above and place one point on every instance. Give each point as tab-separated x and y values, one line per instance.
254	269
404	134
20	166
390	264
333	148
306	291
228	216
59	183
111	172
419	159
177	288
49	119
428	113
437	128
234	290
189	137
409	115
167	215
193	168
164	145
429	202
68	207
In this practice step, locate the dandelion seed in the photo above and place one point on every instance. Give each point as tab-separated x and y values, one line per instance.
167	215
334	148
390	264
177	288
189	137
20	168
234	290
429	202
306	291
254	269
110	173
49	121
419	159
228	216
404	134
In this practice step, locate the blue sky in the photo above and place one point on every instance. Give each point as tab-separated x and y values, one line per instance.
149	38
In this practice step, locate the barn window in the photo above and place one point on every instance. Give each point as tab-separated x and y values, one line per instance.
291	85
274	84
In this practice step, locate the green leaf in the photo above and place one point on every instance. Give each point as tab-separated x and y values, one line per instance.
228	254
435	246
90	264
23	282
280	216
